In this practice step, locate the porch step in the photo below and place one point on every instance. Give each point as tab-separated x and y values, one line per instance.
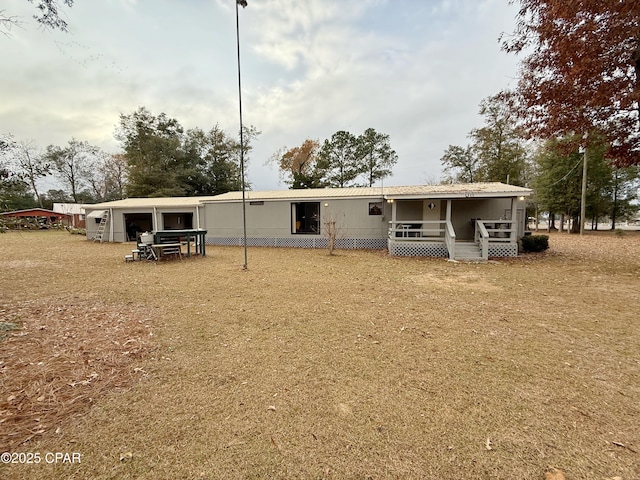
468	251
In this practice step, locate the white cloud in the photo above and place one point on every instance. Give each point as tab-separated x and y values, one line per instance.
414	70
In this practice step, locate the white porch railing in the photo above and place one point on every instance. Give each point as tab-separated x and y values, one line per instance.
450	240
493	237
417	230
498	230
482	239
489	232
427	231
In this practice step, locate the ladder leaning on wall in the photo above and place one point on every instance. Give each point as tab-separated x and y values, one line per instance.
101	227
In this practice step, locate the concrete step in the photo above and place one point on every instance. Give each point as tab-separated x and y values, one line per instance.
468	251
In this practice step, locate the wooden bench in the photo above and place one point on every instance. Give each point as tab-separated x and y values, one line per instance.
167	249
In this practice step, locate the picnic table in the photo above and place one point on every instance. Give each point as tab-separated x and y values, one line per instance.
169	242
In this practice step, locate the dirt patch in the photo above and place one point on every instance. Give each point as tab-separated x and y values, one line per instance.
471	281
17	264
58	357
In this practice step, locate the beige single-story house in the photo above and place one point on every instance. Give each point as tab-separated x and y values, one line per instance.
474	221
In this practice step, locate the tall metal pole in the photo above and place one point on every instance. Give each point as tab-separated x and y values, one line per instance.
583	197
244	206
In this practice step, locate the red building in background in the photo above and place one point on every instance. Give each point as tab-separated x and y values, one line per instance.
44	216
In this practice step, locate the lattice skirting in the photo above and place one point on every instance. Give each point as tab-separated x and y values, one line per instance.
401	249
418	249
302	242
503	250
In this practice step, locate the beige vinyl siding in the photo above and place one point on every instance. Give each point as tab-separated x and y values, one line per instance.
273	219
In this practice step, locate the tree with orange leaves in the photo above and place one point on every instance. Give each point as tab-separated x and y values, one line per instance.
581	73
299	165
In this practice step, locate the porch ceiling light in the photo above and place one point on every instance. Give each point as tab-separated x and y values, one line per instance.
521	199
326	204
390	200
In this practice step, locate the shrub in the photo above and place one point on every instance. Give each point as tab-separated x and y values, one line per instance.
535	243
76	231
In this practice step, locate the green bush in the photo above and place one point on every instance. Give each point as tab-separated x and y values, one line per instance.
535	243
76	231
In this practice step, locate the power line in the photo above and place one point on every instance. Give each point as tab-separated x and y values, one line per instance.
568	173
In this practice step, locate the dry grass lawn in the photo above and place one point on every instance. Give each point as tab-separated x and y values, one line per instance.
307	365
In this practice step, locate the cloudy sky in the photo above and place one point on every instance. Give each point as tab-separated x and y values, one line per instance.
413	69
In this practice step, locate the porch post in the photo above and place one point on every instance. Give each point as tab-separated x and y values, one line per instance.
448	214
155	219
393	215
513	235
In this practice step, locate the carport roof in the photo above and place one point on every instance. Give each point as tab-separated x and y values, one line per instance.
149	203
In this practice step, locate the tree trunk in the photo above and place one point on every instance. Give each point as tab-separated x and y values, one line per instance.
35	191
331	232
614	210
575	224
551	224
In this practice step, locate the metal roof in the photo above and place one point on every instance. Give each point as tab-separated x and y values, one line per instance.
494	189
69	208
39	212
463	190
150	202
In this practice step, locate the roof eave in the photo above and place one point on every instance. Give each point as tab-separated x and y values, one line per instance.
458	195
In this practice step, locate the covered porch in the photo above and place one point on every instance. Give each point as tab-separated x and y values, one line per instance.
471	225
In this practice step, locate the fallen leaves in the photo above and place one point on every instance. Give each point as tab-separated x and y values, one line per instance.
62	357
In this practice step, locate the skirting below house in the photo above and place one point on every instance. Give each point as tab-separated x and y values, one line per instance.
401	249
418	249
503	250
302	242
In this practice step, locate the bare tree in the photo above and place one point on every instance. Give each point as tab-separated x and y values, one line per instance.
107	176
31	164
48	16
72	164
332	229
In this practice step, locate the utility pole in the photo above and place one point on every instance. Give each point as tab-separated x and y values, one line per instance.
243	3
583	198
